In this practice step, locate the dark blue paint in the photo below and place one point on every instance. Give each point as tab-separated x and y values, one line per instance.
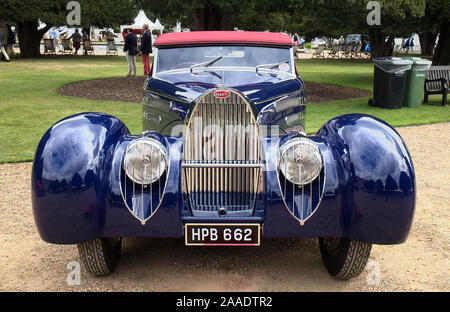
188	87
369	190
76	196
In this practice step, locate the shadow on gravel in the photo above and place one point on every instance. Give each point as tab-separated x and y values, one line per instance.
283	264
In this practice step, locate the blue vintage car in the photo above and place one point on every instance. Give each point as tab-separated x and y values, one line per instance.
223	161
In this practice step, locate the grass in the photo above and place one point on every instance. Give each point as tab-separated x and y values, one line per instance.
359	74
29	103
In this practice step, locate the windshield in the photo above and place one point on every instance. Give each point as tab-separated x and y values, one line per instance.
353	37
235	56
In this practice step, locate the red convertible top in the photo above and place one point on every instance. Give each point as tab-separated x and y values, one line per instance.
228	37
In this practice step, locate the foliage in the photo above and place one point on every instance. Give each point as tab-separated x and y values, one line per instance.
101	13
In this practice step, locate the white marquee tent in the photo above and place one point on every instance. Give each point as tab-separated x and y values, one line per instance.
142	19
158	25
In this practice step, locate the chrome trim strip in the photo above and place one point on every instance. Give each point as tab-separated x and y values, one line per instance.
166	96
223	68
278	97
221	165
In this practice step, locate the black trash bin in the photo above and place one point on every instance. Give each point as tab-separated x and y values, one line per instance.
389	81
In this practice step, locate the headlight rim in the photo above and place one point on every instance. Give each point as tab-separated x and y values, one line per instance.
292	142
156	144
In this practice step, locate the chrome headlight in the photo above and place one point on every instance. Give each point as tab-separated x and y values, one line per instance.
300	161
145	160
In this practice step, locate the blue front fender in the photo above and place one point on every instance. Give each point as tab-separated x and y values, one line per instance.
75	186
369	192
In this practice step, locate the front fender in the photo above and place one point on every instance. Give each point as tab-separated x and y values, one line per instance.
70	176
377	180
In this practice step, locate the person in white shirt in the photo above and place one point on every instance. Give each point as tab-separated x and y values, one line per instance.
54	35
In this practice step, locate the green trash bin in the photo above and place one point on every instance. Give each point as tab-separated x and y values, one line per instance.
415	80
389	81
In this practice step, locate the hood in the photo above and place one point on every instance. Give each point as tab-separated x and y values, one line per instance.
259	88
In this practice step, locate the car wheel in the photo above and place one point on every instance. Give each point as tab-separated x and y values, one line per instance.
100	256
344	258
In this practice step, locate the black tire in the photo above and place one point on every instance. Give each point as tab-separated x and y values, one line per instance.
344	258
100	256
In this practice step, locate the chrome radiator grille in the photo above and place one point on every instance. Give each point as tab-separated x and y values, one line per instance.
222	163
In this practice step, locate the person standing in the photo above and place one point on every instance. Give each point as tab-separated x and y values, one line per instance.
406	46
11	41
54	35
3	41
130	49
146	49
85	38
295	39
341	42
76	38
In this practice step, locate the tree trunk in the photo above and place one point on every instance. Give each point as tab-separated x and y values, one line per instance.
442	52
211	19
30	38
379	46
199	19
427	41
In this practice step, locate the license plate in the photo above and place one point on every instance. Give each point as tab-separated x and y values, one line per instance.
200	234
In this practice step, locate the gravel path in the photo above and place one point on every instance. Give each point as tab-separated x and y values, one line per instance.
420	264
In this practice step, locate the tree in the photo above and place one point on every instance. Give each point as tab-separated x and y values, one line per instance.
440	9
222	14
350	16
196	14
25	14
427	29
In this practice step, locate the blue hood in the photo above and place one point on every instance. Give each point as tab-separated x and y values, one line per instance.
259	88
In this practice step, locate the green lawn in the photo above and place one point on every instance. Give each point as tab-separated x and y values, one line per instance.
359	74
29	103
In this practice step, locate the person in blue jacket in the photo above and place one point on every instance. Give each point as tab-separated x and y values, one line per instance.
406	46
130	49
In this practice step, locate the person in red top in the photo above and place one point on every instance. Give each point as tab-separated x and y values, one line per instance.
146	49
76	37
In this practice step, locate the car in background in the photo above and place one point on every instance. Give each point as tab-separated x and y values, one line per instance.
357	39
318	42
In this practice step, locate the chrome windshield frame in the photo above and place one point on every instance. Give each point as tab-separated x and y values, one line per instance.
292	72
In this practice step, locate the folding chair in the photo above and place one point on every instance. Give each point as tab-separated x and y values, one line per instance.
111	48
319	52
67	47
88	47
49	47
334	51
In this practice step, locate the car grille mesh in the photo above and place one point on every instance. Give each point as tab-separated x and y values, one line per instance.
222	162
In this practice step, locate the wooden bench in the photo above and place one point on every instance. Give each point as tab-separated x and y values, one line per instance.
437	81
